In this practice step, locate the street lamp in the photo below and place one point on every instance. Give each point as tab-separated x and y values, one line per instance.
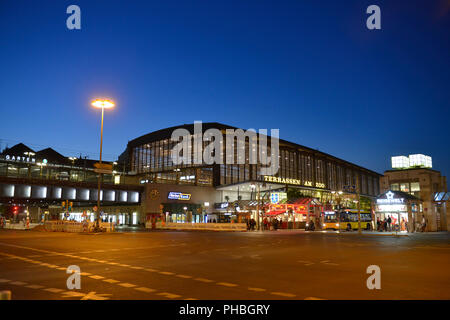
101	104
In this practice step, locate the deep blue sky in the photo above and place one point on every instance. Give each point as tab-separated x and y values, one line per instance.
310	68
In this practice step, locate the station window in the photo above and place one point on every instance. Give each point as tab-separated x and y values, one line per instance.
415	186
394	187
404	187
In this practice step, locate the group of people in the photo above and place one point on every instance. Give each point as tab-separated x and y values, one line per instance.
274	223
385	224
391	224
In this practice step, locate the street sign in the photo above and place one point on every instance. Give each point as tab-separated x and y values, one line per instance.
107	171
105	166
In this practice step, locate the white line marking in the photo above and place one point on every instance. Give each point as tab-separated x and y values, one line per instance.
35	286
144	289
169	295
111	280
127	285
54	290
203	280
226	284
256	289
283	294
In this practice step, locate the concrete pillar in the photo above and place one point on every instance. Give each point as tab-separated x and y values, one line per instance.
411	222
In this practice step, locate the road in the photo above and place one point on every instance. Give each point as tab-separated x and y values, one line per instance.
222	265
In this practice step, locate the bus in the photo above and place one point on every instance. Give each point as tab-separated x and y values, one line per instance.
346	219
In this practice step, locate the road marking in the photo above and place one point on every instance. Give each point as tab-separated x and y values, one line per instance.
18	283
111	280
124	265
168	295
203	280
93	296
35	286
96	277
313	298
127	285
67	294
137	268
54	290
283	294
166	273
85	273
144	289
62	269
151	270
4	280
183	276
226	284
256	289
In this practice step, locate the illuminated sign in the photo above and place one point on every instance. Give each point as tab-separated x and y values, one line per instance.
392	207
179	196
20	159
276	197
412	161
293	181
390	199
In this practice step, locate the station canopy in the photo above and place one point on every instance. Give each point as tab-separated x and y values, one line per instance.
299	206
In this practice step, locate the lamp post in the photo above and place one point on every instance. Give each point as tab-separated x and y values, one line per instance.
101	104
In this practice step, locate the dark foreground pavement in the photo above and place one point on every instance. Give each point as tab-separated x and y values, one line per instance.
213	265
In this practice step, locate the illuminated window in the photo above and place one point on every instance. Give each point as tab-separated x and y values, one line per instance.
404	187
415	186
394	187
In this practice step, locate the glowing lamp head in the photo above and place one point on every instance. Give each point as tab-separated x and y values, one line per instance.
103	104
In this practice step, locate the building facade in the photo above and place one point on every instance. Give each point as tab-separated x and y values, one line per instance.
312	173
423	183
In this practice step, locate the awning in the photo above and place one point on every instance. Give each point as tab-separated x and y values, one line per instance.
274	213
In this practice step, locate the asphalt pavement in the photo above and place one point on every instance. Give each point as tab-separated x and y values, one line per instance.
224	265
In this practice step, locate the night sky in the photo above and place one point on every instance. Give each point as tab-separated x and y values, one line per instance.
310	68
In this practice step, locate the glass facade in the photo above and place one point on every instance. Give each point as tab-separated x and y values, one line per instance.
48	171
152	161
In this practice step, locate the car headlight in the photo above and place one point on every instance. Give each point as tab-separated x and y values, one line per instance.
337	224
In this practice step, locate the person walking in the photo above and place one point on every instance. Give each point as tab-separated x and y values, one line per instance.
389	220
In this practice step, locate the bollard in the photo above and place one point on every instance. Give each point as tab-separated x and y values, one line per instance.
5	295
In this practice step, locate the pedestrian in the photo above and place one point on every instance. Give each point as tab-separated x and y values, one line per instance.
389	220
424	224
378	224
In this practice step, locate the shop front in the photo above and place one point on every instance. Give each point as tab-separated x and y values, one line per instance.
294	215
397	211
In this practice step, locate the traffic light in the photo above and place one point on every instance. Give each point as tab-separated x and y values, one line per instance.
15	209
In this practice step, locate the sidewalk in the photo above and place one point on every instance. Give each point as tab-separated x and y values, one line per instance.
366	233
